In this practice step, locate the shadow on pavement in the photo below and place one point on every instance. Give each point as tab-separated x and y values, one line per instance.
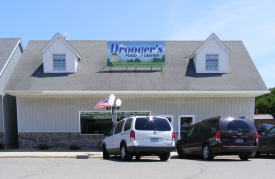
232	158
142	159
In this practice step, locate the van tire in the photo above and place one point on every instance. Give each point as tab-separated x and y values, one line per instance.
105	154
244	156
180	152
125	155
206	152
164	156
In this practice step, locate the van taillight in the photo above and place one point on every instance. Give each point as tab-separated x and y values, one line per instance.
218	136
173	136
257	137
132	135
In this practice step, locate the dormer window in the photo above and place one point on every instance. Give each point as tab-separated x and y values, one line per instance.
211	56
59	56
212	62
59	62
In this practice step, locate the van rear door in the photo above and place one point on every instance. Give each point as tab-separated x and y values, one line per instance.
237	132
153	131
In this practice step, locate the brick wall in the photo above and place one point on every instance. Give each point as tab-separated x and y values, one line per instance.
58	140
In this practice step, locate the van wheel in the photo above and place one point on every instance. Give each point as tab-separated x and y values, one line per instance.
137	157
180	152
125	155
206	153
105	154
164	156
244	157
255	154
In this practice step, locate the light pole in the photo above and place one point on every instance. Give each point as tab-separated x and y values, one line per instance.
111	102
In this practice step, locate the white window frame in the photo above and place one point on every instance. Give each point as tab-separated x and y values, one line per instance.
54	67
172	120
193	122
206	62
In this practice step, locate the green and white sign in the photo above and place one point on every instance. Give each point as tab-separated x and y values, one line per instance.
135	54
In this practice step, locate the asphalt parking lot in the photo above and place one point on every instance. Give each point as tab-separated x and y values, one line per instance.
147	167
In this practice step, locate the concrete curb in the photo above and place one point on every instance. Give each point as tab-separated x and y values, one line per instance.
55	154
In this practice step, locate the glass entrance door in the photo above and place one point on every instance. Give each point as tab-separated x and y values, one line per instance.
185	121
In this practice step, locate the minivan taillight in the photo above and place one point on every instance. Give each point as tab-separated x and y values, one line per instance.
173	136
132	135
218	136
257	137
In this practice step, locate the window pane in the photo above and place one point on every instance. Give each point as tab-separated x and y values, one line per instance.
128	124
235	125
152	124
119	127
95	123
211	62
59	62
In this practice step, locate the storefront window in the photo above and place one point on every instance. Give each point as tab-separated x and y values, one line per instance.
95	122
101	122
123	114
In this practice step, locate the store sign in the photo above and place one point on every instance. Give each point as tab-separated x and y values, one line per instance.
135	54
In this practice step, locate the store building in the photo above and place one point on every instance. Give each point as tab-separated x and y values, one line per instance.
10	52
57	84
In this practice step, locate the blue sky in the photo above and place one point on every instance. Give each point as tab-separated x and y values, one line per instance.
252	22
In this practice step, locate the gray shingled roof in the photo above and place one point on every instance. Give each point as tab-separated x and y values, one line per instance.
7	45
177	75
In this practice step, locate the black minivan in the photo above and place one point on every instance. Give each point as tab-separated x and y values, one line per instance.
219	136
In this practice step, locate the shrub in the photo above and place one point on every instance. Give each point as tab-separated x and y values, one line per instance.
74	147
43	147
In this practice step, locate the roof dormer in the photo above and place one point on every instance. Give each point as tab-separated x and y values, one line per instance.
59	56
211	56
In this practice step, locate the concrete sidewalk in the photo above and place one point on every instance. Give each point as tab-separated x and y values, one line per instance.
78	154
17	153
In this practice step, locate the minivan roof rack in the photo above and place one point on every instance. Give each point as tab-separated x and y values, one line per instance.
242	117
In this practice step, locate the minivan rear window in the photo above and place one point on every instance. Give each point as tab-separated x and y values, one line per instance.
229	124
159	124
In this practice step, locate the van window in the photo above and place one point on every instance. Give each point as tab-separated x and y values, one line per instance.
189	131
112	130
199	128
211	125
119	127
153	123
229	124
128	124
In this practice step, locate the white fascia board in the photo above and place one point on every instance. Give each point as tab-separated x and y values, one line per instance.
7	62
151	93
57	35
206	41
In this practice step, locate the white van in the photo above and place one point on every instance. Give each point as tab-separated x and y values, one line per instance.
140	136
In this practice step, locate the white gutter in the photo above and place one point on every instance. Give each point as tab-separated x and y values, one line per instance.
133	92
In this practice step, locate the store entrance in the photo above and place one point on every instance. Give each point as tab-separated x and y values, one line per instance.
185	122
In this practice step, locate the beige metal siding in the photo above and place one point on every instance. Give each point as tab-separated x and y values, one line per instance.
62	115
